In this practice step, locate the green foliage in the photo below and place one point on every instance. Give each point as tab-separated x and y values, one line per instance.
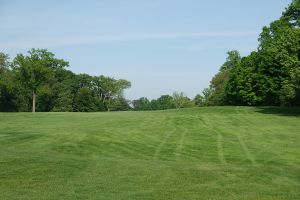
243	84
141	104
4	62
232	60
9	87
207	93
199	100
178	99
216	93
119	104
8	97
187	103
268	76
84	101
164	102
292	13
65	89
36	69
110	90
63	102
42	77
45	99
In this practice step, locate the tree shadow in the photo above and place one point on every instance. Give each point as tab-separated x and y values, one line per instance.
282	111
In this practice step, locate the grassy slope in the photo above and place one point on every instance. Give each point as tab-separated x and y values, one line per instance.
207	153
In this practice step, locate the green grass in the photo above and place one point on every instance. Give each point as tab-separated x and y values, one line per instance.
207	153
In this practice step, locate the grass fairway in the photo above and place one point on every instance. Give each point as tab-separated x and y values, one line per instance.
206	153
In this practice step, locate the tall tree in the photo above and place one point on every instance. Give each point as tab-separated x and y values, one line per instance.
35	68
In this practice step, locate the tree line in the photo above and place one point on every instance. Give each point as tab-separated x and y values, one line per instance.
175	101
40	82
268	76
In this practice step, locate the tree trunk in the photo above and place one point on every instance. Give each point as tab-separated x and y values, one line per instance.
33	101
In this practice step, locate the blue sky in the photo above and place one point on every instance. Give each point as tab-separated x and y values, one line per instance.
161	46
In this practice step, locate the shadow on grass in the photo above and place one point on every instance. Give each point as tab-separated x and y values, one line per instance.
282	111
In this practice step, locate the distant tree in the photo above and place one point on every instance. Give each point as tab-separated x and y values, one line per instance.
141	104
154	104
181	101
108	88
178	99
165	102
120	104
199	100
187	103
207	92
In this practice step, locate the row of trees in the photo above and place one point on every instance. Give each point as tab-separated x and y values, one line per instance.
268	76
40	81
177	100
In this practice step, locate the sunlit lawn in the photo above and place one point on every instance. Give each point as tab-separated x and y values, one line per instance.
204	153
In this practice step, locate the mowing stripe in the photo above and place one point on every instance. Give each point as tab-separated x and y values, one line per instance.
220	149
246	150
181	141
159	147
207	123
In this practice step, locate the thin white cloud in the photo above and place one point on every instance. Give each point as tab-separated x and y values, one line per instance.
243	48
95	39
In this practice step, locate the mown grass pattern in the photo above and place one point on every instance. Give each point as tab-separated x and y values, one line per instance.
203	153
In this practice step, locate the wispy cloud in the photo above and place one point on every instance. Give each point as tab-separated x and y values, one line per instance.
241	48
95	39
